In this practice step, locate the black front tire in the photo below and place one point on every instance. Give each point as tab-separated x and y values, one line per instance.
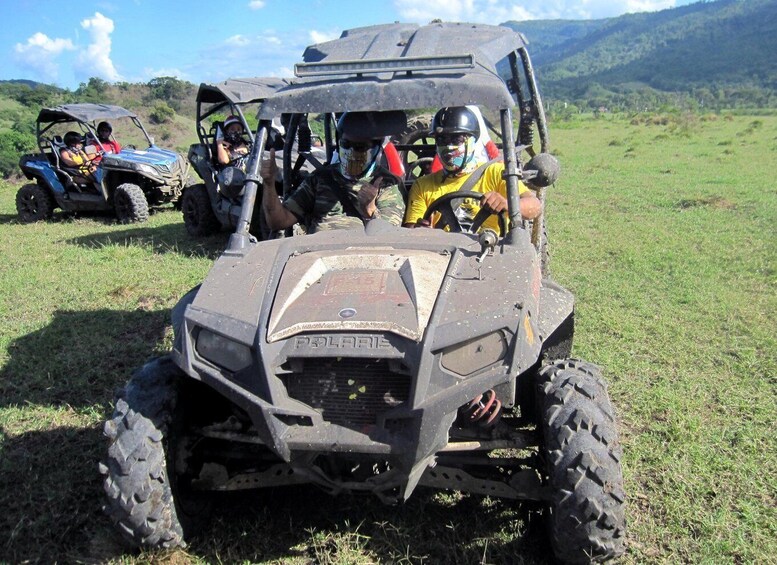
34	203
198	216
139	480
130	204
582	453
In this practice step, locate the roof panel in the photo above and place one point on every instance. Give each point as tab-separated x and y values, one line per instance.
427	88
83	113
240	90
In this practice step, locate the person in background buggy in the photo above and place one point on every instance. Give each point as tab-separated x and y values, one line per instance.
74	157
231	146
105	142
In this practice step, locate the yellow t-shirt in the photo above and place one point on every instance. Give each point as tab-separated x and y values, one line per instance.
429	188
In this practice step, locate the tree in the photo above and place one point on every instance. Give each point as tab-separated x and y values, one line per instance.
12	146
170	90
161	113
93	91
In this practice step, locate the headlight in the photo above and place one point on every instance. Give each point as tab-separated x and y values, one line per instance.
223	351
149	170
476	354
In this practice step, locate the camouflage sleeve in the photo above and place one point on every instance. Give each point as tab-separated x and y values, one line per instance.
391	205
302	201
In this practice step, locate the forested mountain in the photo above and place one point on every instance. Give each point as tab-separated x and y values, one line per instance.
722	53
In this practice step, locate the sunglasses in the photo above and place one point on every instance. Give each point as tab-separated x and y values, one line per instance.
359	145
451	139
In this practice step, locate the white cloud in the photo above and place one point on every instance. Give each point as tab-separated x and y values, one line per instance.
256	4
95	59
496	12
238	41
40	53
267	54
323	36
149	73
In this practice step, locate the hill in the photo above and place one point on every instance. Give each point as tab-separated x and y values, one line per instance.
721	53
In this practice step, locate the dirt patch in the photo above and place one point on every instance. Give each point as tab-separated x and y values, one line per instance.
710	201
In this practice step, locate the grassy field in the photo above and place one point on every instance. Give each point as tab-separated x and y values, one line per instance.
664	229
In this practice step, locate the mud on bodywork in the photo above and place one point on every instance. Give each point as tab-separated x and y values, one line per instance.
319	368
164	172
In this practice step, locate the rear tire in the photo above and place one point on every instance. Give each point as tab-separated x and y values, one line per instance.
34	203
130	204
417	163
582	453
198	216
140	482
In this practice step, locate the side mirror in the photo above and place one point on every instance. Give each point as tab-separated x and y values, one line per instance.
542	170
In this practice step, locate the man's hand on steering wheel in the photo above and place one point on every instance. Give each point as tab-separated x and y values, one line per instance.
491	203
494	202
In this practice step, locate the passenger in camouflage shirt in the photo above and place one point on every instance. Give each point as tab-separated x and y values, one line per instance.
345	194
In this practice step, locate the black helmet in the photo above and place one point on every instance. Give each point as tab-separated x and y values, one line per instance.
105	125
455	119
72	137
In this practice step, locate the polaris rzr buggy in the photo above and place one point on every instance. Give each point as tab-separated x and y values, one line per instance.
381	359
127	182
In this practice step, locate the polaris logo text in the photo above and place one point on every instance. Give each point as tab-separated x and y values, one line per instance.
342	342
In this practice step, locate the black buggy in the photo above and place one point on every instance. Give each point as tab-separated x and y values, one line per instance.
127	182
381	359
215	203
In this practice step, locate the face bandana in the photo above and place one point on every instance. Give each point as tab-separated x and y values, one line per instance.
357	164
458	159
233	137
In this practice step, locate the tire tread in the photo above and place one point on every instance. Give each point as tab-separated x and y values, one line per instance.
583	454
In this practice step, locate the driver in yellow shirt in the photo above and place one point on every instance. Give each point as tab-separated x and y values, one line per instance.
456	130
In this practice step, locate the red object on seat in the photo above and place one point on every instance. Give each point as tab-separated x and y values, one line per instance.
393	160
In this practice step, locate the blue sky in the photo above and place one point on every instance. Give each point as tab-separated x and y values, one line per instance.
65	43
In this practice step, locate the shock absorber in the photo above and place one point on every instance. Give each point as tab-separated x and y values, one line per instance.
526	125
304	136
484	410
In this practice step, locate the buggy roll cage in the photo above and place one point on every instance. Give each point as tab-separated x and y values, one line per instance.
406	66
86	115
233	94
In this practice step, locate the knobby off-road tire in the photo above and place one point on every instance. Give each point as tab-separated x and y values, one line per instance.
417	129
198	216
138	483
34	203
130	204
582	455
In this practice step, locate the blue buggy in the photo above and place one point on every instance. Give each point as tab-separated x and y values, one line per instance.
127	182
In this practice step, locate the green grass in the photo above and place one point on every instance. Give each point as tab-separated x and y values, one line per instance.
665	232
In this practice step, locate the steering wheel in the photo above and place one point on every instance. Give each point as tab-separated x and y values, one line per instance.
444	205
